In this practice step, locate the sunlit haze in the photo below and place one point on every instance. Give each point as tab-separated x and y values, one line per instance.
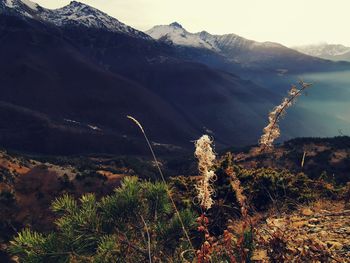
290	22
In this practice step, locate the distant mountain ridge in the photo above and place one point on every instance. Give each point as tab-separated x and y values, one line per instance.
326	51
248	54
180	36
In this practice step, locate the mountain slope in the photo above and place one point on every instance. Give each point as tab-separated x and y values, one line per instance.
326	51
68	90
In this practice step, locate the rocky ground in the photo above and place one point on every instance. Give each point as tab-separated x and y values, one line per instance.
317	233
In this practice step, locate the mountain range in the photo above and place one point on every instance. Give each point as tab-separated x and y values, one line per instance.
326	51
248	54
70	76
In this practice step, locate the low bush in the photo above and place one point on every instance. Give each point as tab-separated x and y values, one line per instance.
128	226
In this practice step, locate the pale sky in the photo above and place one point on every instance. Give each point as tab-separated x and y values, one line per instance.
289	22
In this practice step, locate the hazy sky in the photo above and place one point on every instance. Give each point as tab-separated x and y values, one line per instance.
290	22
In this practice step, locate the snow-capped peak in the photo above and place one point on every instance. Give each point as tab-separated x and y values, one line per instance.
326	51
74	14
180	36
323	49
77	13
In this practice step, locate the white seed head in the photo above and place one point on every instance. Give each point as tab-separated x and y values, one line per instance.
206	157
272	131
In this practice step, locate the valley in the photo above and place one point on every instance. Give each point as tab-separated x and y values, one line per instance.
167	145
225	87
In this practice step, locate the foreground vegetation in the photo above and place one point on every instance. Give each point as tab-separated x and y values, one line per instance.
137	223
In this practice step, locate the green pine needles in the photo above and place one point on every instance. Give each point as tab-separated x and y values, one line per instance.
131	224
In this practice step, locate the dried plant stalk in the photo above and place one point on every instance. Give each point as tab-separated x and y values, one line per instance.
206	157
303	160
242	200
238	189
272	131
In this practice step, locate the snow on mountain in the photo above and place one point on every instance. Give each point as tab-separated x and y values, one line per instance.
176	34
327	51
9	3
179	36
236	51
16	3
75	13
23	7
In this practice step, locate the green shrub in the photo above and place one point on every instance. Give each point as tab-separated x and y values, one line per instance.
106	230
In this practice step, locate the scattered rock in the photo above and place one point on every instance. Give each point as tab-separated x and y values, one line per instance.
307	212
323	235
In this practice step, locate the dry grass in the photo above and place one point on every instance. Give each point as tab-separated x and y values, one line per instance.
163	179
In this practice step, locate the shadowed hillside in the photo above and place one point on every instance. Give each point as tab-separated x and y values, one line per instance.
86	86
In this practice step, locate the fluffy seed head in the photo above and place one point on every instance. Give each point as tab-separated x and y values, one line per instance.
272	131
206	157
